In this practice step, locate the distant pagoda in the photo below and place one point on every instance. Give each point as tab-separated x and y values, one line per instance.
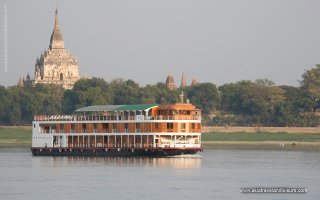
172	85
183	81
194	82
170	82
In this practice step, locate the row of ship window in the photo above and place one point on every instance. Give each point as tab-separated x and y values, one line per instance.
126	126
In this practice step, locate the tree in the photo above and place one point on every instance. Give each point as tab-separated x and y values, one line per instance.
258	100
204	96
125	92
287	112
87	92
46	99
69	101
4	102
310	84
13	107
158	93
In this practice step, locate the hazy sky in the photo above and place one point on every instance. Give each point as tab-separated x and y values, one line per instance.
219	41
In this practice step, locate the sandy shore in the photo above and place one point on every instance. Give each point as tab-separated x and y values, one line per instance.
287	145
26	127
239	129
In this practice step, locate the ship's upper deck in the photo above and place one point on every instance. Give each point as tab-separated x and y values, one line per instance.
178	111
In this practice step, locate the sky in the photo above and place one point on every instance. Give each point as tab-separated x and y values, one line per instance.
218	41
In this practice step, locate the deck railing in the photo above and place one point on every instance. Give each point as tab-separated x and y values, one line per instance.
111	118
105	131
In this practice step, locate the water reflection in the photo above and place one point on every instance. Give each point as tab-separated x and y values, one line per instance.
179	162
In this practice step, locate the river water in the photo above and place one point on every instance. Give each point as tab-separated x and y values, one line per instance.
212	174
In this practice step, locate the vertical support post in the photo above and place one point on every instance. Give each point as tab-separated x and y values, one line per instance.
121	141
82	140
134	141
88	144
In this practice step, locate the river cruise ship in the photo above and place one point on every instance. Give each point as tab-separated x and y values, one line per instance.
119	130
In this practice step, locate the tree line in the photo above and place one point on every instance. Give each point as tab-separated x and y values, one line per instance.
244	103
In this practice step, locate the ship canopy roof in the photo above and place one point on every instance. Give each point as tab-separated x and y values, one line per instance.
105	108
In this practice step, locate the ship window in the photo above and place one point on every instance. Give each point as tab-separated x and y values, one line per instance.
95	127
105	125
137	125
62	128
73	126
169	125
183	126
84	127
193	125
114	127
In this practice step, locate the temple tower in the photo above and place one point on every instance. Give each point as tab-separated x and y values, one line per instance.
194	82
57	65
183	81
170	82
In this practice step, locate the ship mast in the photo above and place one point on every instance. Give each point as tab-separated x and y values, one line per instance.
181	96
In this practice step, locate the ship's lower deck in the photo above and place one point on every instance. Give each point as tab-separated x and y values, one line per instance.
114	152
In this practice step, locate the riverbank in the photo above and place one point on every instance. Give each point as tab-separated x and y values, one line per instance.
263	145
15	135
261	140
256	129
21	136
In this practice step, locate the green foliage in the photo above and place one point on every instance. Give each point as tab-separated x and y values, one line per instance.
204	96
125	92
311	83
87	92
253	102
244	103
18	105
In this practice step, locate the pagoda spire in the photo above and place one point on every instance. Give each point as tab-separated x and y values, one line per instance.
56	22
183	81
56	40
170	82
194	82
20	82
